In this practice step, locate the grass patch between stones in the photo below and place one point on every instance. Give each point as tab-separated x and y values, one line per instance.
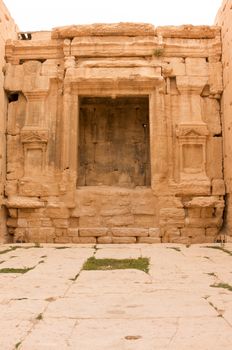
117	264
39	317
11	270
222	285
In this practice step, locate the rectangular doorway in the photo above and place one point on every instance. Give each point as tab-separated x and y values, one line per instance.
114	147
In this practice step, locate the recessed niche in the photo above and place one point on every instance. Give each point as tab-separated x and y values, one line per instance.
114	141
192	158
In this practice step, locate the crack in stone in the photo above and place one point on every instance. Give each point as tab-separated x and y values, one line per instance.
220	313
175	332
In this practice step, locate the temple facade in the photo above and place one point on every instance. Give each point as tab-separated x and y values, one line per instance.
115	134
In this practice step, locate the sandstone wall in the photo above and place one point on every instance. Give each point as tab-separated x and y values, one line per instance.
8	30
178	69
224	19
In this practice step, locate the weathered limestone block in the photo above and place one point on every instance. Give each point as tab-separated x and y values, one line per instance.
192	232
211	232
12	222
215	78
23	202
196	67
145	221
14	77
33	186
154	232
143	203
61	223
58	212
105	46
73	232
48	233
119	220
118	74
90	221
149	240
93	232
172	232
22	223
84	210
102	29
177	240
194	212
176	65
46	222
34	222
191	84
123	240
203	202
51	68
20	236
61	232
204	222
87	240
218	187
116	210
214	158
211	115
172	216
207	212
104	240
73	222
63	240
188	31
32	213
129	232
16	114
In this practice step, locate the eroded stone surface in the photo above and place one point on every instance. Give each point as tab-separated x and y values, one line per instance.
58	306
8	30
223	19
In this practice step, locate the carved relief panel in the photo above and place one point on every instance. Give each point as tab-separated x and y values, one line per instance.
192	150
34	145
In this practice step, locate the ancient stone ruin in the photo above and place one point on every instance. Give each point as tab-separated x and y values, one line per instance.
114	135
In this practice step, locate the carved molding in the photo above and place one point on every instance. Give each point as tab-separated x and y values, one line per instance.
191	130
34	136
35	95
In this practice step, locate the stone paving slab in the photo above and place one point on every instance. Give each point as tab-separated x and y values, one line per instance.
57	305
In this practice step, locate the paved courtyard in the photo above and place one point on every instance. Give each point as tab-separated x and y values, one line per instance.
57	305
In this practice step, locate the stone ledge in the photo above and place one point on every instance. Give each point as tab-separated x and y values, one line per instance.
23	202
102	29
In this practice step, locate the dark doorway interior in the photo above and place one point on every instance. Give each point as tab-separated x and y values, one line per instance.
114	141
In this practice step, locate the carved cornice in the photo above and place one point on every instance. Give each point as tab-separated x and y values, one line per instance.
34	136
35	95
192	130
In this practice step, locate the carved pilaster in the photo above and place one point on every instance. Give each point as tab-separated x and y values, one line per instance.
35	116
